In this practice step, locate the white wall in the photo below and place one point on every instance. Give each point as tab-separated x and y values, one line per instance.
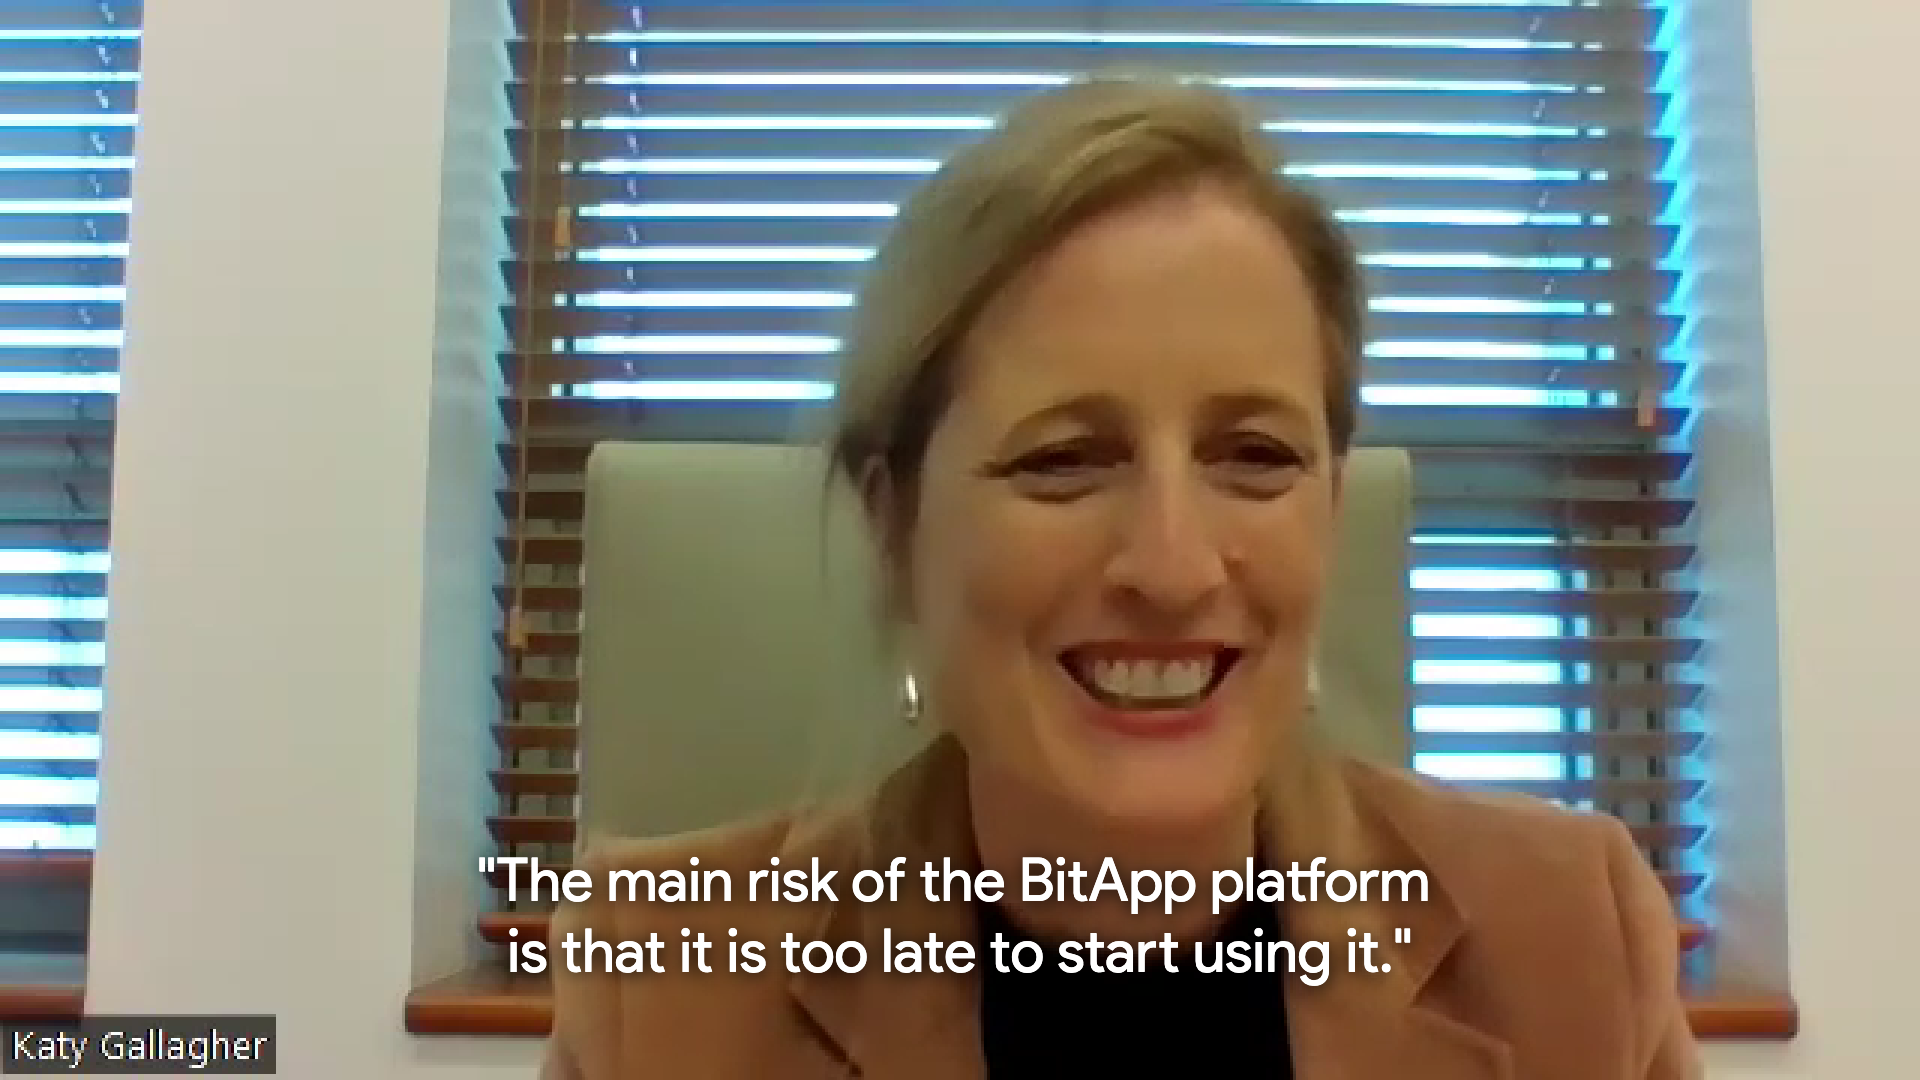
1722	291
286	413
1838	162
303	493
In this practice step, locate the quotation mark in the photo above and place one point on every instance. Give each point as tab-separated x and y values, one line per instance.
486	864
1402	936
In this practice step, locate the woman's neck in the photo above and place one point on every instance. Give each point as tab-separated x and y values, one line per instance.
1011	823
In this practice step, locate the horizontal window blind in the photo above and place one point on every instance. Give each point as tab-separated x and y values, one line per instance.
68	79
699	185
68	76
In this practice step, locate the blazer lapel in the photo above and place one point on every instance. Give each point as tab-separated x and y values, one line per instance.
1345	1037
898	1027
894	1026
1362	1025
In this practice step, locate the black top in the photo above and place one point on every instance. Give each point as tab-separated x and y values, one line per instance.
1154	1022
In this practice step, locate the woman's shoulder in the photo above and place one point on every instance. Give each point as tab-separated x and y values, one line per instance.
1513	862
1545	896
1454	822
1524	869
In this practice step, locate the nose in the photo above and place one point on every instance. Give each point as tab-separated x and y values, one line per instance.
1167	557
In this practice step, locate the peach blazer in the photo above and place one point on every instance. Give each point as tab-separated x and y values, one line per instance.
1547	949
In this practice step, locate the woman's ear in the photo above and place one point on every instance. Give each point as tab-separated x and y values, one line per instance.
882	504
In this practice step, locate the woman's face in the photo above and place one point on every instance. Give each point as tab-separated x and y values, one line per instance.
1125	515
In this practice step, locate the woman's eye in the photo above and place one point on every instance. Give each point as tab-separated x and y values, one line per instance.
1056	461
1066	459
1259	462
1259	453
1064	469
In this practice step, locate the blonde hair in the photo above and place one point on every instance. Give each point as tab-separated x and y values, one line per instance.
1050	164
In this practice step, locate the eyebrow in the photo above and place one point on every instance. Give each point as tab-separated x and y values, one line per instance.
1095	410
1226	408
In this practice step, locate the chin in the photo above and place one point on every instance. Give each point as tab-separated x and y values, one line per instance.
1155	784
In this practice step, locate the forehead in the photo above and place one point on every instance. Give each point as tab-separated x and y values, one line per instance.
1163	302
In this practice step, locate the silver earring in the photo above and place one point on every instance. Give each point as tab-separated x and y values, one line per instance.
910	706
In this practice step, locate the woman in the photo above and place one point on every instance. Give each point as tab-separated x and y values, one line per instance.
1096	402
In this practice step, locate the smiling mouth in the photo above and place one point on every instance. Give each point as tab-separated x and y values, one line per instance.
1147	684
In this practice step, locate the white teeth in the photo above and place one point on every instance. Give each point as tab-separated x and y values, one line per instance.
1151	681
1185	679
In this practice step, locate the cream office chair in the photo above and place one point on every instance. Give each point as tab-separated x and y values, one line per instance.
731	663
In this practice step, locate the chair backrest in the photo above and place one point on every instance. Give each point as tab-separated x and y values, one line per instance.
731	663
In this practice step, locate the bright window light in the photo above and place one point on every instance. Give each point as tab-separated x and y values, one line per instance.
52	562
49	746
69	76
1472	305
49	699
1438	86
1474	625
1498	719
1471	260
52	608
62	251
711	344
48	337
62	164
29	835
1512	175
48	654
1477	578
668	122
1470	131
1478	350
64	120
951	122
1493	767
60	207
17	790
1462	396
767	166
714	390
836	78
668	299
1037	79
739	254
1063	37
1496	672
1415	215
26	33
57	382
672	211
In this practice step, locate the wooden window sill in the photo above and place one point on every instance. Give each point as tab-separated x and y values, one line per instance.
35	988
492	1003
26	1003
52	867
